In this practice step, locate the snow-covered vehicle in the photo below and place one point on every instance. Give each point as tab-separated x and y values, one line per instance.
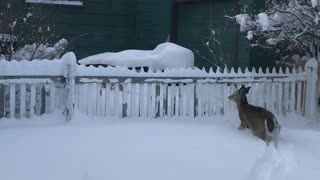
165	55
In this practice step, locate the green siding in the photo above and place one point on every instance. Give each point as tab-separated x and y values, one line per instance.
115	25
195	21
107	25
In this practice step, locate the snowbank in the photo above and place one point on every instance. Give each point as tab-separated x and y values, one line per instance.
166	55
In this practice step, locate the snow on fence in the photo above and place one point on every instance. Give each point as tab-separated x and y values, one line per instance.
37	87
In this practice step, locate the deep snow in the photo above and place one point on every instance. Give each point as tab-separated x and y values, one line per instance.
158	149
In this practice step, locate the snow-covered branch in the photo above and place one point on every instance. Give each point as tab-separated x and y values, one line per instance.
291	27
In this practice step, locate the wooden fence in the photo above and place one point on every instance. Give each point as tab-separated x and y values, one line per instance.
120	92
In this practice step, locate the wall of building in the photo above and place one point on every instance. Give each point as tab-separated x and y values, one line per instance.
102	25
115	25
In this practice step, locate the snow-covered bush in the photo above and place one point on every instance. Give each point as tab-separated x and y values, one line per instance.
290	27
41	51
30	29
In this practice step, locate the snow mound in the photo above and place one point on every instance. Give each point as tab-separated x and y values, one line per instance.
165	55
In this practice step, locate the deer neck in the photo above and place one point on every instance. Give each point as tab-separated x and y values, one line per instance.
242	103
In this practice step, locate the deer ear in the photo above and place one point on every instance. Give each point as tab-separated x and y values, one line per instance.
247	90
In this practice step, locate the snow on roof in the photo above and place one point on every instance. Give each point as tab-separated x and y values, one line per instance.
165	55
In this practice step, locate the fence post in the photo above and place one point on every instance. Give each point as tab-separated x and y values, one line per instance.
70	65
311	68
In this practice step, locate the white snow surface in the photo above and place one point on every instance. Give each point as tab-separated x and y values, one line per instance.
143	149
165	55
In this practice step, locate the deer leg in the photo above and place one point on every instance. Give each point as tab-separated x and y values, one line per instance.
243	125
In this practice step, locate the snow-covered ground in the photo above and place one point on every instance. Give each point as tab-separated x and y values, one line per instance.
154	149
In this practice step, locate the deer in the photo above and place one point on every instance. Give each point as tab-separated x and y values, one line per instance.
260	121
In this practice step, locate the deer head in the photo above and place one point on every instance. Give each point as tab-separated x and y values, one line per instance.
239	96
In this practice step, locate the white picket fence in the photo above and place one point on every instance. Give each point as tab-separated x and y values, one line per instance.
119	92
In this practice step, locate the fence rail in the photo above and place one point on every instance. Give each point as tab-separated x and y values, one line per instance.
120	92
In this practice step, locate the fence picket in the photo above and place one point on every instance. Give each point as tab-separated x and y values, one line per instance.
173	96
169	98
83	98
184	94
286	97
118	100
292	101
108	100
22	100
261	95
92	96
299	95
273	98
153	100
199	99
136	100
268	96
176	100
145	101
128	93
12	100
32	99
191	97
161	99
205	98
280	98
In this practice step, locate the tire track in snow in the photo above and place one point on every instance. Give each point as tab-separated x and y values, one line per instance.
274	164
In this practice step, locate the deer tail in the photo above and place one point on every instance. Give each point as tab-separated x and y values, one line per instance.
271	121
